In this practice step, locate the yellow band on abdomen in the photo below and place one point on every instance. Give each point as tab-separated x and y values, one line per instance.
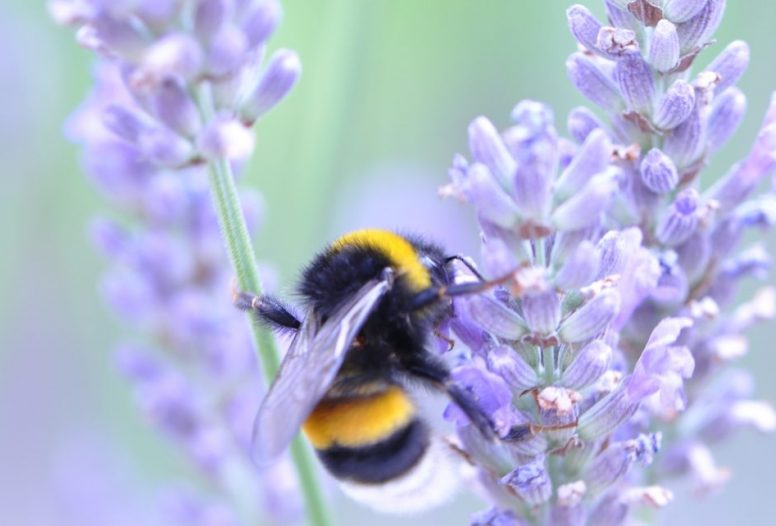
356	422
398	250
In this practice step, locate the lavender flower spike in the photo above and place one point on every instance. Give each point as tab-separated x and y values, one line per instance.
619	315
175	87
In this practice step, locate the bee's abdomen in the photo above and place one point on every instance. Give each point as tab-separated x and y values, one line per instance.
382	461
368	439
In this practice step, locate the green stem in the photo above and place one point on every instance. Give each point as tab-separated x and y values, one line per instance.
548	359
240	249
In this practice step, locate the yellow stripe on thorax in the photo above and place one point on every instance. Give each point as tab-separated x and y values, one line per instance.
398	250
359	421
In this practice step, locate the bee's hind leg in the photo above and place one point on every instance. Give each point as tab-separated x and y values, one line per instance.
428	369
268	310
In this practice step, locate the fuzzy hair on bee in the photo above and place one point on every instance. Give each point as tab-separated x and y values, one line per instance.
372	300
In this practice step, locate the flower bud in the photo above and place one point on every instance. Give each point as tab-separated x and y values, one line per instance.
173	106
530	482
261	21
619	16
541	311
581	268
499	256
592	158
685	143
508	364
176	54
583	25
664	47
726	115
592	318
534	144
617	248
495	317
568	510
694	255
118	36
590	363
581	123
658	172
226	52
614	462
209	15
679	11
488	148
606	414
730	65
634	78
676	105
124	122
681	221
593	83
163	147
280	76
697	31
489	198
109	237
585	207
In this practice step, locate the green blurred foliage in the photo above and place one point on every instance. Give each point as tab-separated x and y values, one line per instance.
386	83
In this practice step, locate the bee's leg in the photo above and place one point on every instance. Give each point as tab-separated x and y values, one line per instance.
449	341
522	432
267	309
429	370
463	399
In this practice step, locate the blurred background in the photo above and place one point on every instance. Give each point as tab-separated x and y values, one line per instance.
388	89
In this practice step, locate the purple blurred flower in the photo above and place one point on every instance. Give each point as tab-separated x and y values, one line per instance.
144	140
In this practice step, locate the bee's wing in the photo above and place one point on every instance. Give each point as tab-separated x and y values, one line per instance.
308	370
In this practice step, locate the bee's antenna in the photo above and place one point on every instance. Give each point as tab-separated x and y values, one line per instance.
431	295
465	262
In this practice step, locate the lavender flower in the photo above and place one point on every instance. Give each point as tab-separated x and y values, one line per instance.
145	136
618	318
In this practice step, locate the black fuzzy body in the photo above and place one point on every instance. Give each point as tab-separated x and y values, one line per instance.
392	340
381	462
394	331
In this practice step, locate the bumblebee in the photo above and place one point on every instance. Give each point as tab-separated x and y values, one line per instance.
372	300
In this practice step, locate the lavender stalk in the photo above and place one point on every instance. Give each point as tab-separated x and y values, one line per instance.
147	139
243	261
